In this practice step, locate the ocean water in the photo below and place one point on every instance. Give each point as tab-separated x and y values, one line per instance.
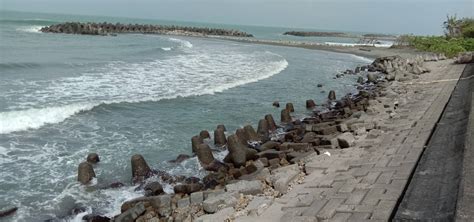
64	96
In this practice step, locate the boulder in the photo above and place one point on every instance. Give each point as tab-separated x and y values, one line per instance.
204	134
285	116
269	145
219	137
204	155
250	133
131	214
221	127
276	104
242	136
281	177
85	173
180	189
360	80
93	158
464	58
238	153
271	122
262	130
140	169
372	77
245	187
180	158
95	218
153	189
332	95
346	140
289	107
309	137
212	204
8	212
310	104
195	142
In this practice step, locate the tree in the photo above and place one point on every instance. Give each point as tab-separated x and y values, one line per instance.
452	26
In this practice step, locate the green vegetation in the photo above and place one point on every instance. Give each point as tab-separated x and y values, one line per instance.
459	37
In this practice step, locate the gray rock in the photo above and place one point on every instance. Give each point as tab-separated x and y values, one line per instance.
276	104
245	187
204	134
285	116
263	130
281	177
258	205
332	95
309	137
85	173
183	202
290	107
310	104
342	128
238	153
346	140
153	189
93	158
204	155
219	137
140	169
221	215
372	77
269	145
360	80
131	214
250	132
197	197
221	127
242	136
212	204
195	142
271	122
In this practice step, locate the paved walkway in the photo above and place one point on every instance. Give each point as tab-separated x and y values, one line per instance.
365	182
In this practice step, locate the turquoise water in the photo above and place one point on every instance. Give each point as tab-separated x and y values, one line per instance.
63	96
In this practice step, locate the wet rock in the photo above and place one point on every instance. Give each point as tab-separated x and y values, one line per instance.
180	158
332	95
216	166
346	140
250	132
245	187
140	169
271	154
320	85
360	80
190	180
85	173
238	153
204	134
180	189
93	158
285	116
276	104
153	189
289	107
204	155
310	104
8	212
262	130
221	127
242	136
116	185
271	122
219	137
195	142
131	214
95	218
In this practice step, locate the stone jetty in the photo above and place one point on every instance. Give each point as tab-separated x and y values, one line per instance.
347	161
105	28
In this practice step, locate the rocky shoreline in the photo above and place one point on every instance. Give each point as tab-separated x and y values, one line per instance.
261	164
113	29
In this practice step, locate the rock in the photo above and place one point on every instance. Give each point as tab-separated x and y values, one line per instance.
289	107
195	142
212	204
153	189
219	137
332	95
131	214
180	158
372	77
197	197
250	133
310	104
360	80
285	116
221	127
271	122
85	173
320	85
271	154
115	185
269	145
180	189
140	169
258	204
326	130
95	218
242	136
183	202
263	130
281	177
346	140
8	212
245	187
204	134
295	146
309	137
276	104
204	155
190	180
274	163
464	58
238	153
216	166
221	215
194	187
342	128
93	158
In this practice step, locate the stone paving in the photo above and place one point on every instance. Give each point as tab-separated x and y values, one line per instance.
365	182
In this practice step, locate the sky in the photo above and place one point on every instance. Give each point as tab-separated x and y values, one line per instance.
423	17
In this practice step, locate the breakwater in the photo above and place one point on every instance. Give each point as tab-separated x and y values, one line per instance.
112	29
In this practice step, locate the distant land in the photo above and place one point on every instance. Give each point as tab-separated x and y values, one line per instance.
340	35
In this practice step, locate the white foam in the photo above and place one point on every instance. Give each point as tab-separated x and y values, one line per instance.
190	74
182	42
364	59
33	29
383	45
166	49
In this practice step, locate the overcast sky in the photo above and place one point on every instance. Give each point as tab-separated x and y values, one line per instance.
387	16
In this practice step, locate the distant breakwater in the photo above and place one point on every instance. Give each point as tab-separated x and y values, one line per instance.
113	29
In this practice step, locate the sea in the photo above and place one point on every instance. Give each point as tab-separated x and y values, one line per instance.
64	96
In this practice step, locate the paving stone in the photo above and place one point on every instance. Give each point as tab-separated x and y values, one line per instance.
258	204
329	209
356	197
281	177
221	215
212	204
